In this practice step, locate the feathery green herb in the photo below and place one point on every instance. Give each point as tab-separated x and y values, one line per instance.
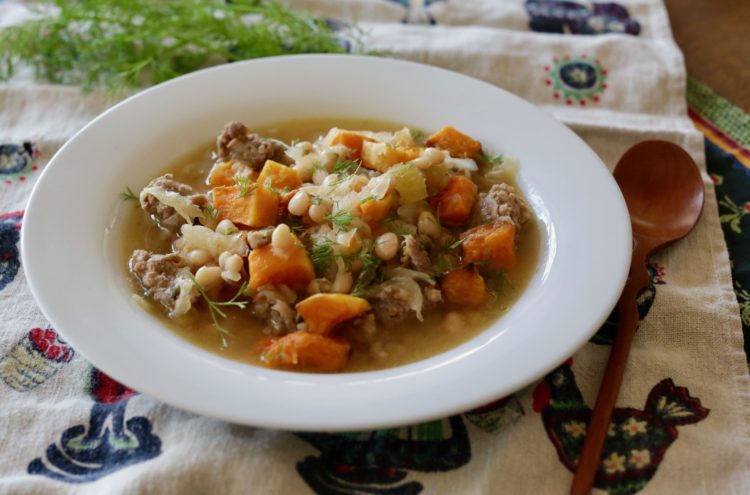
341	219
128	195
244	185
346	166
321	255
493	160
122	45
214	307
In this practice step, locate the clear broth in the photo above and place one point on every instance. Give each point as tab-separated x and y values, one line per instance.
396	345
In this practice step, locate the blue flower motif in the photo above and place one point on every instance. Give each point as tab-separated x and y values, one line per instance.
556	16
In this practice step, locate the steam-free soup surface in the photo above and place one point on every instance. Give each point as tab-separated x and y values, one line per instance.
374	341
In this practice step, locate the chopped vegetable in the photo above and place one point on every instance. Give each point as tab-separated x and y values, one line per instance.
410	183
307	351
464	287
382	156
258	207
351	140
492	244
454	142
455	202
322	312
277	176
291	267
436	177
225	173
373	210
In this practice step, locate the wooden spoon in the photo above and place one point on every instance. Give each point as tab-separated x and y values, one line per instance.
664	193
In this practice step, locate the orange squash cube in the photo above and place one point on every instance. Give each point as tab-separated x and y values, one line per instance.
374	210
456	200
322	312
252	206
351	140
454	142
291	267
493	243
225	173
464	287
307	351
279	176
382	156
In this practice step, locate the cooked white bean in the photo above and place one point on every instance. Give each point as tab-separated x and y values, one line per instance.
319	212
223	257
386	246
231	276
330	180
197	257
281	238
427	225
454	322
234	263
430	157
299	203
318	176
343	283
208	276
226	227
328	159
409	212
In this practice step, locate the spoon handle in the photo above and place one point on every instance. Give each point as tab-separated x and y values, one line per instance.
609	388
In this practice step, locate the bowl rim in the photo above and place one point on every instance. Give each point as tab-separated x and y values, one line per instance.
619	243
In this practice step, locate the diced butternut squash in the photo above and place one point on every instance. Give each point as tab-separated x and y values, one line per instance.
374	210
225	173
291	267
250	205
454	142
492	243
279	176
456	200
307	351
382	156
351	140
322	312
464	287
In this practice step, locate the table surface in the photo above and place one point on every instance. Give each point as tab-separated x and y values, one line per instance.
713	36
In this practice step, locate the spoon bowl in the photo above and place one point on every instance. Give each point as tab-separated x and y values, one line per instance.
663	190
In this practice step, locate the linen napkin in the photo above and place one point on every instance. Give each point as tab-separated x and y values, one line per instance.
612	72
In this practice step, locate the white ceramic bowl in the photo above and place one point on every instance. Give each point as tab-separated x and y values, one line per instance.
79	282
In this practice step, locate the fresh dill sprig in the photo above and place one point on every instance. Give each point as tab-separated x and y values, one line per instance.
370	264
416	134
214	307
348	167
493	160
128	195
230	231
369	197
321	255
444	264
124	45
294	142
244	185
212	212
341	219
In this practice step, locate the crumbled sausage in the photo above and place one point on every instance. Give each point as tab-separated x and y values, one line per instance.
166	279
390	303
502	203
165	214
415	255
237	143
274	304
259	238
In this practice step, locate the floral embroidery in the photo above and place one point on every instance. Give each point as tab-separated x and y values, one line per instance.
615	463
735	215
566	17
575	428
611	431
576	79
639	458
633	427
17	161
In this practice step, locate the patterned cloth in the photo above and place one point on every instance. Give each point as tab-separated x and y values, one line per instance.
610	71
